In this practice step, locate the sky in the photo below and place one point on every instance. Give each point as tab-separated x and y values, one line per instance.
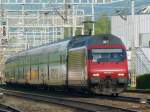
124	5
109	8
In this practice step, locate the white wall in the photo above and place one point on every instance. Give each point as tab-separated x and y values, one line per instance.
124	28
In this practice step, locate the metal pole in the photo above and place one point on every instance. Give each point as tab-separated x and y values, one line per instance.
23	22
45	18
133	52
66	11
53	19
73	19
93	17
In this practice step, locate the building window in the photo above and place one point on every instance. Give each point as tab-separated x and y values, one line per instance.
144	40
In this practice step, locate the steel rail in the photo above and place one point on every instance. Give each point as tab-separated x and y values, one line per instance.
125	99
108	97
81	105
146	91
5	108
132	99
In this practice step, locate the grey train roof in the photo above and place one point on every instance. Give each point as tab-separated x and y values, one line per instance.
94	40
74	42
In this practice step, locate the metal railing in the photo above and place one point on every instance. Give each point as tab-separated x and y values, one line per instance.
142	62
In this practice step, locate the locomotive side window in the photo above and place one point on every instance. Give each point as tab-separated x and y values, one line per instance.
108	55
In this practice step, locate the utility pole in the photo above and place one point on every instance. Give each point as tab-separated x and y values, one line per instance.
23	23
3	39
93	17
133	50
73	19
67	7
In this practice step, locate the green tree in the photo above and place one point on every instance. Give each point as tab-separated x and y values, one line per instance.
87	25
103	24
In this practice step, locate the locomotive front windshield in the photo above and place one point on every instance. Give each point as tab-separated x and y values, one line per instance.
108	55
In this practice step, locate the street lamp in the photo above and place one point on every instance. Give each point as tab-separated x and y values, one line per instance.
89	30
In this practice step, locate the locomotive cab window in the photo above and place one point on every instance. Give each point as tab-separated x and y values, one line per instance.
108	55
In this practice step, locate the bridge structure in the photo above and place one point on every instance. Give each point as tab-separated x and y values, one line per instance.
28	23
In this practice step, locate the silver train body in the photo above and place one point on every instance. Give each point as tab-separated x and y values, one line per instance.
51	68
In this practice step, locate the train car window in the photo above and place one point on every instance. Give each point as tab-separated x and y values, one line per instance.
49	57
23	66
60	59
78	44
23	72
27	60
14	69
43	59
20	72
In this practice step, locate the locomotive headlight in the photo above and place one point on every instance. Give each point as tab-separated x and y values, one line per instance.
105	41
96	74
121	74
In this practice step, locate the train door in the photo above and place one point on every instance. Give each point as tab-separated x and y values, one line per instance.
63	71
34	74
43	73
42	68
77	70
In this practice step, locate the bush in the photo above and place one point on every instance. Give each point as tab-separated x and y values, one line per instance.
143	81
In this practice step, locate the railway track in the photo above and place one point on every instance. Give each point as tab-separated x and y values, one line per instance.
125	99
146	91
80	105
5	108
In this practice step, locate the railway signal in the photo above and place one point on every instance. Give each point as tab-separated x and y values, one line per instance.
4	40
4	31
